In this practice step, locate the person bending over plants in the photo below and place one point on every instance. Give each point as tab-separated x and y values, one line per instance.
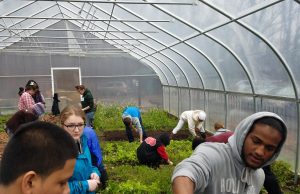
152	151
131	116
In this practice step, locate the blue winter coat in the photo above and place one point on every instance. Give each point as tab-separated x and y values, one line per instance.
83	169
94	146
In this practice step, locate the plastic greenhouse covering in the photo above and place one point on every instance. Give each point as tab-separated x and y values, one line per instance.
230	58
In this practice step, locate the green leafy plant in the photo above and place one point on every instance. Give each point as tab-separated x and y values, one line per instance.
3	120
139	179
156	118
283	172
126	175
108	117
120	152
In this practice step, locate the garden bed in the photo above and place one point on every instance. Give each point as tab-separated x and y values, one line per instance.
120	135
3	141
126	175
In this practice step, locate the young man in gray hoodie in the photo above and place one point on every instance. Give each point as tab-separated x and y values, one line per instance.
235	167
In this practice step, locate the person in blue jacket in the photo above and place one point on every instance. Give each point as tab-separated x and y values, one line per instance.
131	116
86	177
96	154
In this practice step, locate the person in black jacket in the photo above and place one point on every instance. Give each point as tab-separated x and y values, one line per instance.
152	151
55	107
87	104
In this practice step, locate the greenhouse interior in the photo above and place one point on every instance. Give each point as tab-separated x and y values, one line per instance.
230	58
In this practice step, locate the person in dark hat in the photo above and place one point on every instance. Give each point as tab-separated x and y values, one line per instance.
26	100
37	96
152	151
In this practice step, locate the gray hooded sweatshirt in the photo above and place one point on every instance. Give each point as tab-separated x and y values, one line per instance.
218	168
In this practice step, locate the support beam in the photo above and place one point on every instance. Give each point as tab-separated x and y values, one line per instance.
124	2
50	37
78	19
75	30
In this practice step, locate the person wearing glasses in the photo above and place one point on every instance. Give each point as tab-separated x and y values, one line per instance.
86	177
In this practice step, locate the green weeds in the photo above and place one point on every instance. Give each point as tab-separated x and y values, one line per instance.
108	117
126	175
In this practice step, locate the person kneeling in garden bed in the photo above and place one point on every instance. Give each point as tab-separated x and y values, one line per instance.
152	151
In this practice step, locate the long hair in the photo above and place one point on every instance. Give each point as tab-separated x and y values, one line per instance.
69	111
21	90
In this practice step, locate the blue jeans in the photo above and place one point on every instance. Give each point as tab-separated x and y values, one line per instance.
89	119
130	135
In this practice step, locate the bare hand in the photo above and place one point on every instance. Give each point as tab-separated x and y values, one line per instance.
95	176
93	184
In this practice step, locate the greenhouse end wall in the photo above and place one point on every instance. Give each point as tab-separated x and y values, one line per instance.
111	79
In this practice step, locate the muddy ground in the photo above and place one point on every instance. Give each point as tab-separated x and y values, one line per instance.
117	135
3	141
120	135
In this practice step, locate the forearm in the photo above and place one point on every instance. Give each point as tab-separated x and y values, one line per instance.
193	131
183	185
141	137
86	108
78	186
170	162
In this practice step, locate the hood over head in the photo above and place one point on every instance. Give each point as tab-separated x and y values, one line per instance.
164	138
236	141
202	115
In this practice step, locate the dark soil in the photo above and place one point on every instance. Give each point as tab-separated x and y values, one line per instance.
116	135
3	142
120	135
